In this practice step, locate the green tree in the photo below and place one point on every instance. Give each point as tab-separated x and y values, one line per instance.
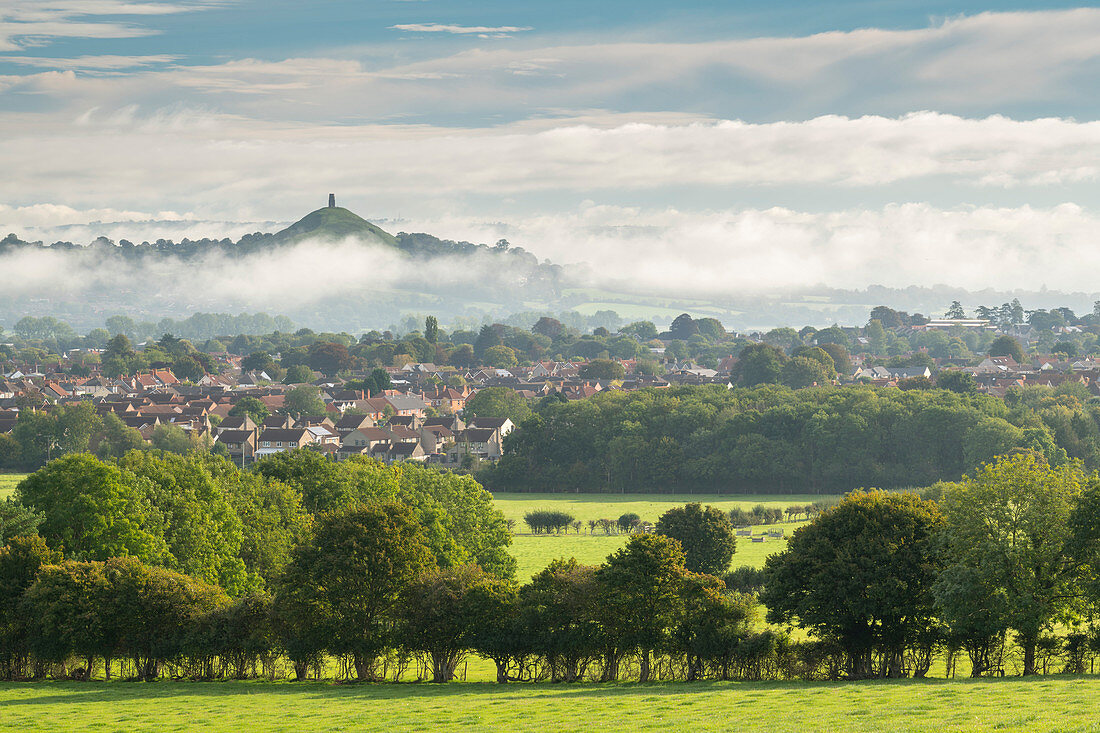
602	369
351	576
802	371
955	311
329	358
842	360
305	399
639	595
298	374
861	575
64	608
957	381
118	438
705	534
201	526
174	439
431	329
1009	522
499	402
500	357
151	612
20	560
560	615
252	407
759	364
94	510
1007	346
17	520
444	611
258	361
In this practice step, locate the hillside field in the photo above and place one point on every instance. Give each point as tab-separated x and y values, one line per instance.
1010	704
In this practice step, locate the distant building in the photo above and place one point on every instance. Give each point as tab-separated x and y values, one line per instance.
332	201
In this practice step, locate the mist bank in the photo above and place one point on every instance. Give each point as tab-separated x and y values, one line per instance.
752	269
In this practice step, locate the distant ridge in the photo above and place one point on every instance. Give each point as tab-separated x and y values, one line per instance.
333	223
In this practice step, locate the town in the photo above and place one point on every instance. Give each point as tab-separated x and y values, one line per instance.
344	396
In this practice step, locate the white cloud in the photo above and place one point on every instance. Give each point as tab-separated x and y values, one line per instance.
479	30
91	63
222	166
972	65
765	250
25	23
713	253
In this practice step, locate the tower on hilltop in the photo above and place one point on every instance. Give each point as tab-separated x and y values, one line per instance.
332	201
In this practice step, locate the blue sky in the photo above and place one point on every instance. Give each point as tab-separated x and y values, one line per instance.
790	142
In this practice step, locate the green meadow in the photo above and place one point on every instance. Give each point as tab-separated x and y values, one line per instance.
1012	704
8	482
533	552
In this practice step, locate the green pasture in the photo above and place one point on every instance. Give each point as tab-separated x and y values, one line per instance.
534	552
647	506
8	482
1035	704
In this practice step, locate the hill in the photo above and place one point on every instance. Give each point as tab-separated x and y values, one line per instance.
333	223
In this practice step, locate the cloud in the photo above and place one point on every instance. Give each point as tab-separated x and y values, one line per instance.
501	31
91	63
718	253
26	23
713	254
228	167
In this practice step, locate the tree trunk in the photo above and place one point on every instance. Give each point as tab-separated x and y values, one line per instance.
502	670
443	668
1028	643
610	668
362	667
301	670
644	671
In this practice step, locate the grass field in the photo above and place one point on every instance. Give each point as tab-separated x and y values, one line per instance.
1036	704
8	482
534	552
647	506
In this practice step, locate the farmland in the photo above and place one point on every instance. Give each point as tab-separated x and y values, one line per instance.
8	482
533	552
1037	704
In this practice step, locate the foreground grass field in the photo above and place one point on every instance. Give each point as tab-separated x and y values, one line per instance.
1036	704
533	552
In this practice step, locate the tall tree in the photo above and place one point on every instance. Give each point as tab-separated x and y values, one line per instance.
443	611
94	510
1010	523
352	573
431	329
639	592
861	575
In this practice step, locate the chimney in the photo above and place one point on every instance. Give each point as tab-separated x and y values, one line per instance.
332	201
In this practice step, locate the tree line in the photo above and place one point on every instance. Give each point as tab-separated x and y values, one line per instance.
777	440
997	570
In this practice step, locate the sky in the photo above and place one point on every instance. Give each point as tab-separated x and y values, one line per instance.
746	145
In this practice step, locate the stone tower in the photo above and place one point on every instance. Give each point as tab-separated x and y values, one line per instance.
332	201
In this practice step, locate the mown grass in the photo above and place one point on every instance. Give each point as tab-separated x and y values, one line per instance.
1036	704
